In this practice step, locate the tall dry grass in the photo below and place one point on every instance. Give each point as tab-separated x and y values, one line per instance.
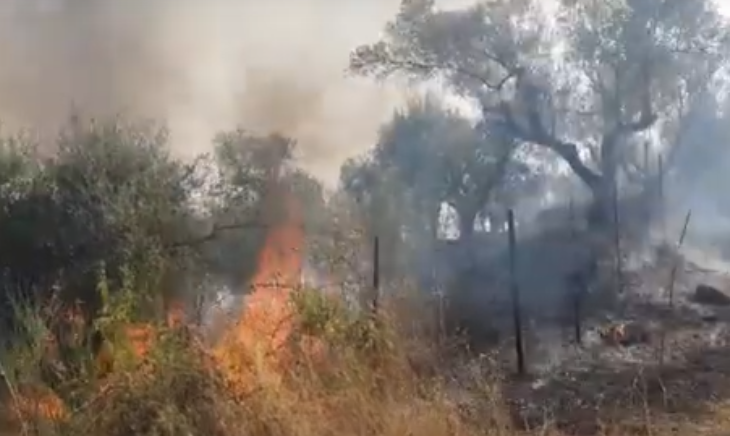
344	372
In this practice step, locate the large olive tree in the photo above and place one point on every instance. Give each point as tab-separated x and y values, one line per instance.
587	80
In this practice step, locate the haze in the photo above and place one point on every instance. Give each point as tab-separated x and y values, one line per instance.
199	67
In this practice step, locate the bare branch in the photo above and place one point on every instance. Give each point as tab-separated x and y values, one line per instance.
538	135
216	231
364	58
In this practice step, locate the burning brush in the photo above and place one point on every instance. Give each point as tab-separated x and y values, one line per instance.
624	334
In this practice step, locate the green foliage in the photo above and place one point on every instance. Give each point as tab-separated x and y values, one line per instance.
585	87
428	156
341	327
111	194
113	199
319	315
246	165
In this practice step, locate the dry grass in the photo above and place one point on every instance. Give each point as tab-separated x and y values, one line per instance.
365	377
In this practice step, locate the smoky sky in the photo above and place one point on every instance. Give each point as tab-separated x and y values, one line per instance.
199	67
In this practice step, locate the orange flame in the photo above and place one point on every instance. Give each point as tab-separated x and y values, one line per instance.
278	274
140	338
265	324
175	312
28	404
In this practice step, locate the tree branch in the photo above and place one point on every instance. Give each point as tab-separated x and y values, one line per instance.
538	135
215	231
411	64
495	177
648	116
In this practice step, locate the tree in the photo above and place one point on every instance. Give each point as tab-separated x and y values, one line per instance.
254	174
113	208
698	180
426	157
626	69
378	205
245	166
111	204
435	156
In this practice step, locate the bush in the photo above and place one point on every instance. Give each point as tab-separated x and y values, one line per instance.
359	381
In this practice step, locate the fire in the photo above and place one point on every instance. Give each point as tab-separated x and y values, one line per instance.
141	338
28	403
175	312
265	324
278	274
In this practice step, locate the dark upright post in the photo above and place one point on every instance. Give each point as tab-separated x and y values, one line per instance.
575	286
675	261
662	215
376	274
577	327
515	290
617	240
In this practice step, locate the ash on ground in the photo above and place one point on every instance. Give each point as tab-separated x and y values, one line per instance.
679	364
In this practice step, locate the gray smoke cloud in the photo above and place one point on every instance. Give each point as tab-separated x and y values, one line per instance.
200	67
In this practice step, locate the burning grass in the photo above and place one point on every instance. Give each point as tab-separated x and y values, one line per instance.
339	372
295	363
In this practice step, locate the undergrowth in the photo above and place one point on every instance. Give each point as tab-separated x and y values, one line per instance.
342	372
346	372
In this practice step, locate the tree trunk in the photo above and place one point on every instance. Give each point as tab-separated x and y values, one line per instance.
498	221
600	183
600	212
605	186
467	218
434	218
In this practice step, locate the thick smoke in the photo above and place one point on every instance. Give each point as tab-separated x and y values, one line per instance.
198	66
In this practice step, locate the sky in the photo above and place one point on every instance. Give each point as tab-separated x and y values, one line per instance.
724	6
201	67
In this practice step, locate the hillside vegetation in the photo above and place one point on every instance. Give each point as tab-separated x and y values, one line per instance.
146	294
